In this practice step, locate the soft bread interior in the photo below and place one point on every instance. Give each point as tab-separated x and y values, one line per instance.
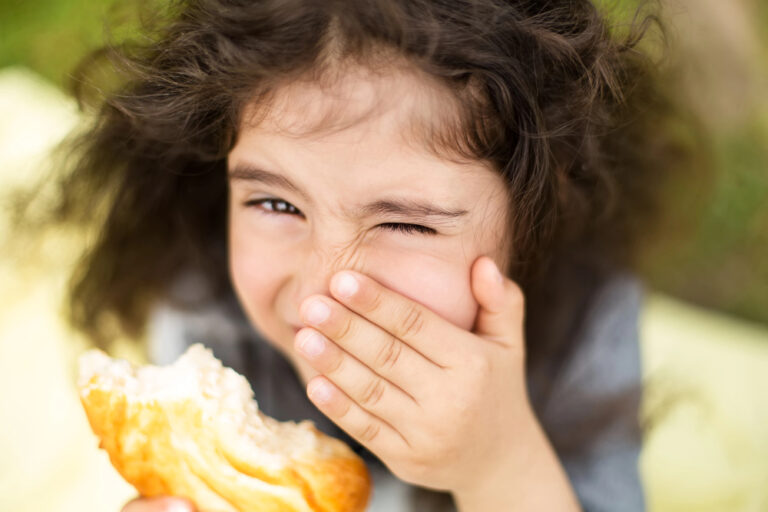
222	393
200	418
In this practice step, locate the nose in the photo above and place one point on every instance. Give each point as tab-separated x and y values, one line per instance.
316	268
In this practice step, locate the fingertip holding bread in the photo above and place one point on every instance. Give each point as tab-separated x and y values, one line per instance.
192	429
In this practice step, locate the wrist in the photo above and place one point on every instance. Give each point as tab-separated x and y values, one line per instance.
528	476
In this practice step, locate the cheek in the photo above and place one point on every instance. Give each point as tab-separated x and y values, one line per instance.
255	270
442	286
259	269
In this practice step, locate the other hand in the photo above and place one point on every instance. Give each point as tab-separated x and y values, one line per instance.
159	504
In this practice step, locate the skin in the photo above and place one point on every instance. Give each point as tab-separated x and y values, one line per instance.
411	342
161	504
340	172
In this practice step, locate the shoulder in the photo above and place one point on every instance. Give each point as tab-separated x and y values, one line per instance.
595	402
607	352
604	354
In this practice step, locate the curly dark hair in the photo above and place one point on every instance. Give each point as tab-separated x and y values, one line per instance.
571	111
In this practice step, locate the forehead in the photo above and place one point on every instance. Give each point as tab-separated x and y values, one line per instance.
352	101
364	128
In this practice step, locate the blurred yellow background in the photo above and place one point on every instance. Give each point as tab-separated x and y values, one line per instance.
704	327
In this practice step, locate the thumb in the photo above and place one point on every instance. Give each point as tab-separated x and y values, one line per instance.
502	305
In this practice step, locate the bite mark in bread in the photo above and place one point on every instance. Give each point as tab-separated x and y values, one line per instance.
192	429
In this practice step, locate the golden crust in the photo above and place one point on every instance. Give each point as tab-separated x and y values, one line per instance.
173	446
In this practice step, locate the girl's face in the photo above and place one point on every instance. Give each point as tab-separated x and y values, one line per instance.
303	207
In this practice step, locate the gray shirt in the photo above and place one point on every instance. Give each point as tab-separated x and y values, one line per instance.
605	477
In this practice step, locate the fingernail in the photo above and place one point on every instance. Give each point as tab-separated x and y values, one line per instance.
312	344
317	312
346	285
497	274
173	505
319	391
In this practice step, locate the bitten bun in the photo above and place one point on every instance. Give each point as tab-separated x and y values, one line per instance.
192	429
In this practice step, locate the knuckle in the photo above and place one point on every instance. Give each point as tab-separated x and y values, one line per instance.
374	302
345	329
372	393
413	322
336	365
370	432
389	354
344	411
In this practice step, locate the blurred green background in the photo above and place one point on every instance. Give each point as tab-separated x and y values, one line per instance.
706	453
720	261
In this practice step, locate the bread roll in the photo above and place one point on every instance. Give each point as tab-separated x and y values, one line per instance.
192	429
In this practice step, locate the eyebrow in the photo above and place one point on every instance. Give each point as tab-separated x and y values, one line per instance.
404	207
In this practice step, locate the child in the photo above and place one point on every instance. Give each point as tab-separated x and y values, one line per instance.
351	201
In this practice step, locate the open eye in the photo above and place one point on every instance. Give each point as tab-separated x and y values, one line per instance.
271	205
408	228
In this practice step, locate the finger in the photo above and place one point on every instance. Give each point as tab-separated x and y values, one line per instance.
369	390
502	305
372	432
159	504
378	349
423	330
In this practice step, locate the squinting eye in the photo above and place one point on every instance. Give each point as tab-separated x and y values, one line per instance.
271	205
408	228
